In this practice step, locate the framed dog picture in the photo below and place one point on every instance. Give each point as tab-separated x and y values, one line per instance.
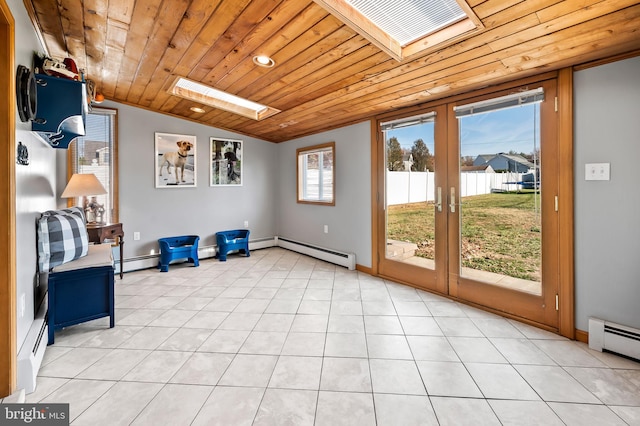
225	159
175	160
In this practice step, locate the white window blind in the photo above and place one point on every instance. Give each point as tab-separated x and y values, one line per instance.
408	121
503	102
408	20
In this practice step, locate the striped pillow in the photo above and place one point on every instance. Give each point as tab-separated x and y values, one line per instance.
62	237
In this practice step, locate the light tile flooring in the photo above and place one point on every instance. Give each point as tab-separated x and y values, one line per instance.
282	339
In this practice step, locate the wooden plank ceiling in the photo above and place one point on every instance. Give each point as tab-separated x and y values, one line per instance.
326	75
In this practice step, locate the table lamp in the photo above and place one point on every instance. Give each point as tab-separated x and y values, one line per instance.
84	185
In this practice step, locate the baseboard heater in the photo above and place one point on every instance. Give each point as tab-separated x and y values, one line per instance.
32	351
348	260
611	337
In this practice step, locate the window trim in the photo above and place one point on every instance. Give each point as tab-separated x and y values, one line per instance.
113	158
300	152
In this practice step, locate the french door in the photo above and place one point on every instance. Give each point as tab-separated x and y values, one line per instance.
413	249
470	199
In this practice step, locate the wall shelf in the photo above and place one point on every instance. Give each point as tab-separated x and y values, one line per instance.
62	110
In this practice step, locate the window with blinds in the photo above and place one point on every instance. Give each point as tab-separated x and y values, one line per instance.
407	21
96	153
316	174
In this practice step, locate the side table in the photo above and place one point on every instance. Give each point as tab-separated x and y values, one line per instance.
99	232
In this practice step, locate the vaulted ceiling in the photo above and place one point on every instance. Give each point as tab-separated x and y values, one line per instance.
326	74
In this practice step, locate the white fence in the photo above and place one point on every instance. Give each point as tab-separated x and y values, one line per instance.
415	187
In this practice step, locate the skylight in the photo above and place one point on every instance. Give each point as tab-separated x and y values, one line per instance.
405	28
408	20
207	95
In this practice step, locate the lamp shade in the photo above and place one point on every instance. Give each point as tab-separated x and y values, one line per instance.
83	184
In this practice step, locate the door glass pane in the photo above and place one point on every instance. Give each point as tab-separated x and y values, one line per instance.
410	194
500	211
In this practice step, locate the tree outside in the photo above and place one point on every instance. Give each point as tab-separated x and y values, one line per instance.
422	158
394	155
466	160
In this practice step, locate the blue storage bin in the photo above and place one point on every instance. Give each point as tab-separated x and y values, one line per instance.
174	248
80	295
237	239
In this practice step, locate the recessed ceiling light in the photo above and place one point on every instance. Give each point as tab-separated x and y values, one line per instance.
263	61
197	109
203	94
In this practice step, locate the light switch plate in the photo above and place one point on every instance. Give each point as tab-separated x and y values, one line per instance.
597	171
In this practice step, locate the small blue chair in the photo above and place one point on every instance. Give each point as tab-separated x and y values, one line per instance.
237	239
173	248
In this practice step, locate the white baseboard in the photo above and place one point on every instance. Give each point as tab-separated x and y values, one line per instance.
204	252
32	351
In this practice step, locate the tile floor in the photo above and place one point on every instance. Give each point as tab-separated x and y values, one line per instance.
283	339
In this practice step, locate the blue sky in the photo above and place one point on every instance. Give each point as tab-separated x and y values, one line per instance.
490	133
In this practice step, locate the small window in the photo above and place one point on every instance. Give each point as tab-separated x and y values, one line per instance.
316	174
96	153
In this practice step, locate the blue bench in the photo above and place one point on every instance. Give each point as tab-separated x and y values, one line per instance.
173	248
79	277
82	290
237	239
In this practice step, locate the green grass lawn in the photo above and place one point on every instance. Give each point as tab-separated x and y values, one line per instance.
500	232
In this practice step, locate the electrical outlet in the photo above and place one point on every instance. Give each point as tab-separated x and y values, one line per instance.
326	229
23	304
136	236
246	223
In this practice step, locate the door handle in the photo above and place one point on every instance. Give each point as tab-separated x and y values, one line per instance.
452	205
439	199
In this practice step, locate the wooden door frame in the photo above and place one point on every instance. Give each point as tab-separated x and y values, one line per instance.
8	350
540	309
566	302
566	289
401	271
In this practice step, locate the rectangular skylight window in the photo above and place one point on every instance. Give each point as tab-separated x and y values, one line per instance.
207	95
408	20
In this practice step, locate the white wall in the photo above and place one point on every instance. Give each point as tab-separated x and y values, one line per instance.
349	220
202	210
35	183
607	213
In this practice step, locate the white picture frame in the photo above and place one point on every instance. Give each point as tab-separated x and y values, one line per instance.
175	161
226	158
